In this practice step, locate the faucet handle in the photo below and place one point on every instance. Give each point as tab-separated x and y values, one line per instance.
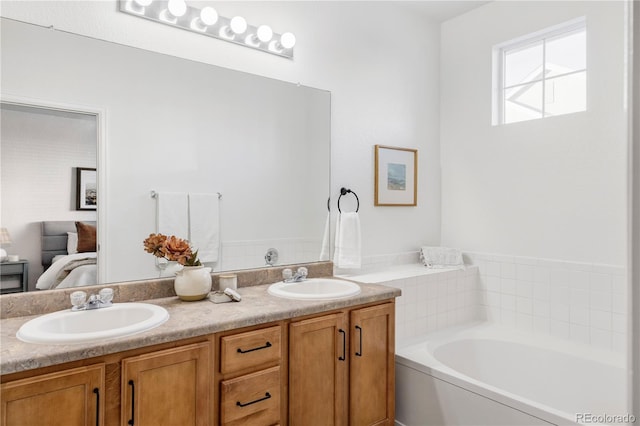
303	272
287	274
78	299
106	295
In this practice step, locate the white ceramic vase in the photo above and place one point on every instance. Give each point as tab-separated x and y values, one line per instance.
193	283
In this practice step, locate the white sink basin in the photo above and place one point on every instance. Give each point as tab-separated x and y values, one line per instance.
315	289
65	327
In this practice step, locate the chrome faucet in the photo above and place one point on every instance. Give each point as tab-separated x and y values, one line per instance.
300	275
96	301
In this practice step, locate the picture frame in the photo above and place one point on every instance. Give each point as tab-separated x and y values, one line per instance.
396	176
86	189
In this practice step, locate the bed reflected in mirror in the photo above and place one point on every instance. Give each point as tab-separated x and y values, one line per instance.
42	152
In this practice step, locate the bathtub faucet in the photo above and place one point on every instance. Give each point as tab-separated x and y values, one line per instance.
301	275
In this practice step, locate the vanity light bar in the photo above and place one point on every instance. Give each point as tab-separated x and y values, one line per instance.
206	21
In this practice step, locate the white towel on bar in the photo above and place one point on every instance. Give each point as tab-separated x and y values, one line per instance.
204	220
325	250
348	247
172	210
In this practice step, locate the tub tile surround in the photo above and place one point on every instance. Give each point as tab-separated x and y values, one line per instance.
432	299
438	300
581	302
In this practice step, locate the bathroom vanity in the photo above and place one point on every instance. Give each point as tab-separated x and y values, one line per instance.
263	361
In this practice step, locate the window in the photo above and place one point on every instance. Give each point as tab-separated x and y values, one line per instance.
542	74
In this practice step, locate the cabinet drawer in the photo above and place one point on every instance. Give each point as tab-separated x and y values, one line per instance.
253	399
250	349
12	269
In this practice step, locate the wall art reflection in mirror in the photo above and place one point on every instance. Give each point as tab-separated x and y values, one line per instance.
86	189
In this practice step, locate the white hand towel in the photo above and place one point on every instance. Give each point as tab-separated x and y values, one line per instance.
348	241
172	209
204	220
325	250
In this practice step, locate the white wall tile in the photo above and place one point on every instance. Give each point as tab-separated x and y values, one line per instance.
601	300
559	277
559	312
579	279
508	286
579	315
524	288
579	297
559	329
524	305
541	324
573	301
541	291
579	333
542	274
525	272
507	270
601	319
600	282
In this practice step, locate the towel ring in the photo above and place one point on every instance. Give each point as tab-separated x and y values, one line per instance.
345	191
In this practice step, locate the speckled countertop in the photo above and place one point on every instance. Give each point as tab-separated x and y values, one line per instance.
187	319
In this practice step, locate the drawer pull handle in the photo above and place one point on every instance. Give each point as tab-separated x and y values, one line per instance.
344	345
265	397
97	392
267	345
359	352
133	401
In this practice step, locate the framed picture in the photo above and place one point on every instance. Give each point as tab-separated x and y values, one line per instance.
86	189
396	181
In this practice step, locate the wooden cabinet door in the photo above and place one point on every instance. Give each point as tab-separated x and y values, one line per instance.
168	388
66	398
318	371
372	366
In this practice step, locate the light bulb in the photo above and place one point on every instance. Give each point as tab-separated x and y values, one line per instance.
208	15
177	7
238	25
138	6
264	33
287	40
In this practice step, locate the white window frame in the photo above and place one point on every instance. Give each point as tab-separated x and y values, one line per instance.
499	64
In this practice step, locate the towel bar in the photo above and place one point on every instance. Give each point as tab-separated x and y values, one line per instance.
154	194
345	191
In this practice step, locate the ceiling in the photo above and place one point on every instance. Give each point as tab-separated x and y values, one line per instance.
442	10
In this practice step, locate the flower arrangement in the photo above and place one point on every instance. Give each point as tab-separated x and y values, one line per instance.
171	248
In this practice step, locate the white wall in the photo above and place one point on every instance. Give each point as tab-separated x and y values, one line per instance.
47	145
551	188
383	85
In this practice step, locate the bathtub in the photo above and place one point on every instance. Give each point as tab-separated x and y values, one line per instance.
484	374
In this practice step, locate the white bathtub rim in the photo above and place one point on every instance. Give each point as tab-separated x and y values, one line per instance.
495	331
398	272
430	342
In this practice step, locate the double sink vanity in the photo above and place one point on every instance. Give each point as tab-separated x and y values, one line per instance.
286	354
